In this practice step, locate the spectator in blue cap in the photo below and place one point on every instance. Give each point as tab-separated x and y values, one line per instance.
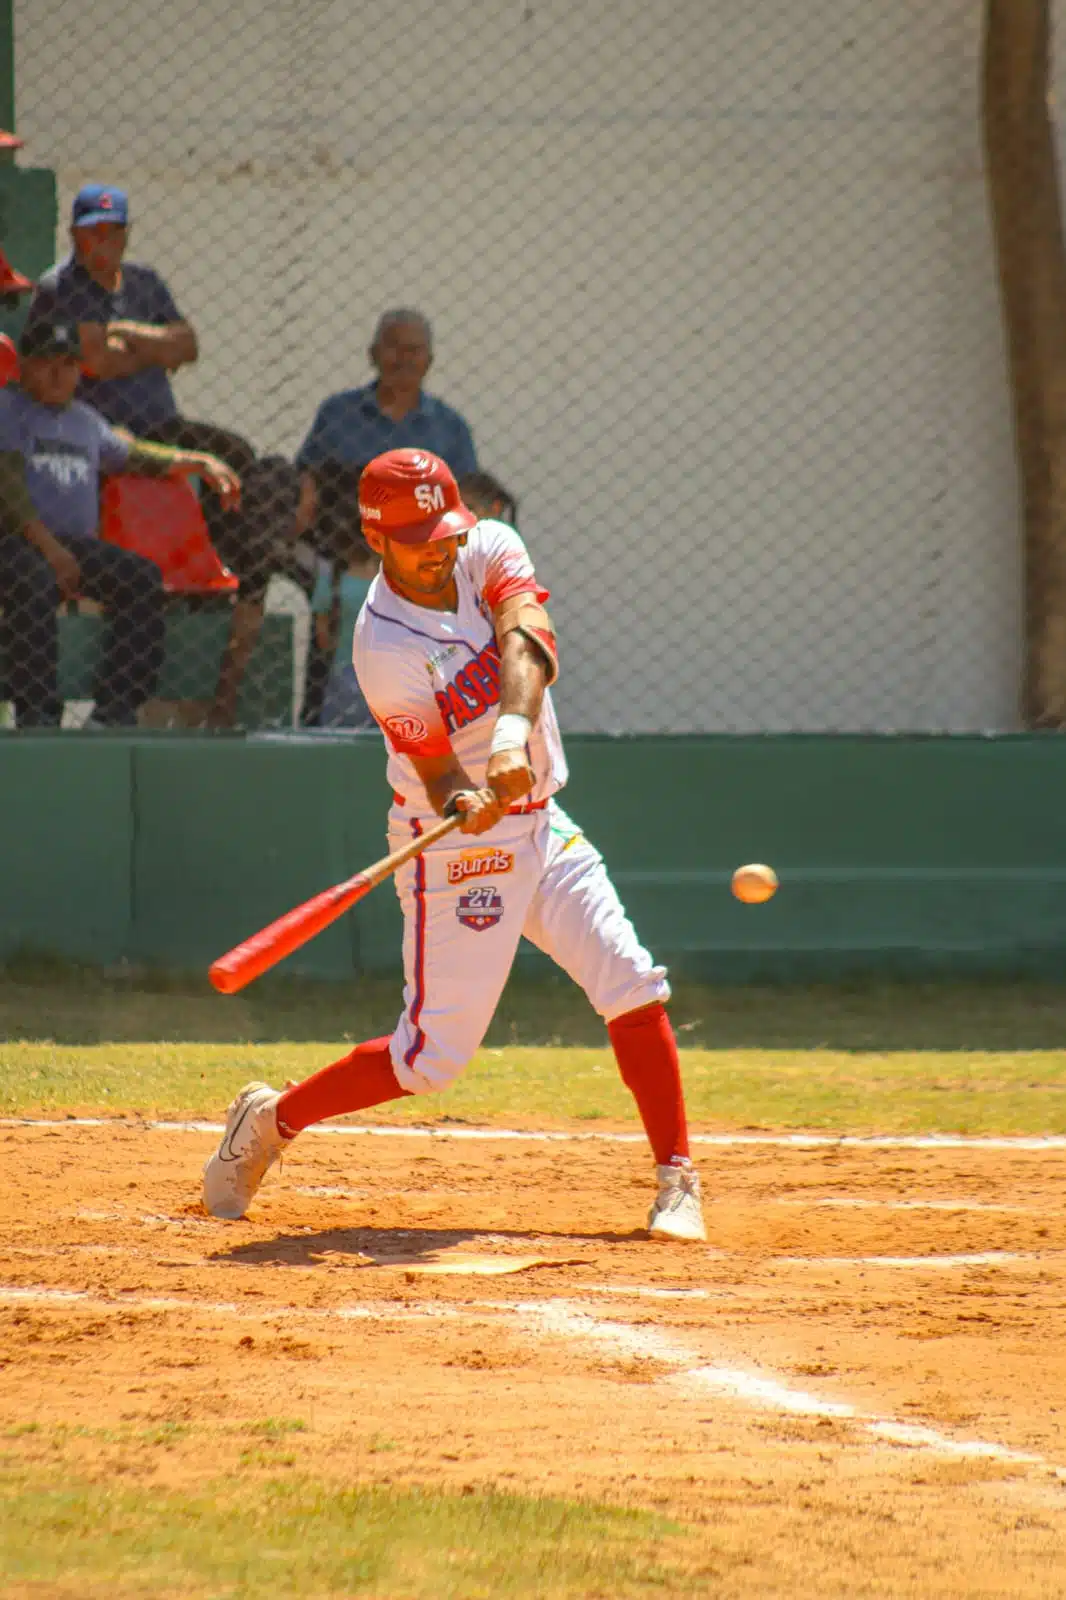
133	336
133	339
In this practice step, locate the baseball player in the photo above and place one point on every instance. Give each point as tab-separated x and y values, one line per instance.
455	653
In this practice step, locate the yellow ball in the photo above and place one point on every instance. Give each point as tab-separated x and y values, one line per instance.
754	883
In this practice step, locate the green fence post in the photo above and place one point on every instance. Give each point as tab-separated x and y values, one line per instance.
7	68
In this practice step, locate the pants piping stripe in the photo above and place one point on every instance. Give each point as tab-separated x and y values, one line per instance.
418	1044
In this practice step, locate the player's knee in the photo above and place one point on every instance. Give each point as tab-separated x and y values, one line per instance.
632	991
427	1070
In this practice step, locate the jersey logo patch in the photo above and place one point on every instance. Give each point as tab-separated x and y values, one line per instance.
435	662
479	864
408	729
480	908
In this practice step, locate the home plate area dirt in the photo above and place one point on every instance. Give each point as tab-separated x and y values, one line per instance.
858	1386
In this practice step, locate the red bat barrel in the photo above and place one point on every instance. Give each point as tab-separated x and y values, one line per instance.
273	943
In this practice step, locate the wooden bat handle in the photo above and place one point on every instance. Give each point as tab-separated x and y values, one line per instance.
254	956
378	871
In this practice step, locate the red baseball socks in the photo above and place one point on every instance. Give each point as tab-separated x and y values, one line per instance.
363	1078
646	1052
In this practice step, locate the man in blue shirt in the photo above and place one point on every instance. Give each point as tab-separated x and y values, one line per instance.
133	338
53	450
132	334
393	411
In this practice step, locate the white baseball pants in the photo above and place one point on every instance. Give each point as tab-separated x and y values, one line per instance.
466	903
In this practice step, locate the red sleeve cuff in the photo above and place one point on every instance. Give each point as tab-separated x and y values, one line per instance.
496	593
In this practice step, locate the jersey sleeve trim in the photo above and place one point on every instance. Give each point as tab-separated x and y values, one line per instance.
507	587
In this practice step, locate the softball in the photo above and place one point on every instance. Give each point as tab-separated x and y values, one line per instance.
754	883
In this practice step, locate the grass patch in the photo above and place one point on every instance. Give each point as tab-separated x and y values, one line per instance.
968	1058
277	1427
303	1537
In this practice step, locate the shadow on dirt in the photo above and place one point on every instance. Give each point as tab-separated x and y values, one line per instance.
367	1248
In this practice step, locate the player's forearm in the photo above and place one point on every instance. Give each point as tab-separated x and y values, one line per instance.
17	511
523	678
172	345
163	460
154	460
21	519
105	357
443	788
18	514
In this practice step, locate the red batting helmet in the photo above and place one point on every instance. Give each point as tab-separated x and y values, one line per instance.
412	496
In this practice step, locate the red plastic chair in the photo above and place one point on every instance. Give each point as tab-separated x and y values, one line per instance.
9	361
12	281
161	518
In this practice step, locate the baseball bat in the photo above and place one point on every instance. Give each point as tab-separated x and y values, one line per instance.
280	938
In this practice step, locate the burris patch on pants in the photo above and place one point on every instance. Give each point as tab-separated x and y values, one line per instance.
480	864
480	908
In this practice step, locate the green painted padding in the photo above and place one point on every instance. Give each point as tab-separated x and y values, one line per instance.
823	801
194	644
27	229
895	855
7	65
66	824
902	854
232	834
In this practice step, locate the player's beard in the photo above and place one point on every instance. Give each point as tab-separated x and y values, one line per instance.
430	581
436	577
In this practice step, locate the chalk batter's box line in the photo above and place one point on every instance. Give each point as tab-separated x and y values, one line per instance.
1037	1143
759	1389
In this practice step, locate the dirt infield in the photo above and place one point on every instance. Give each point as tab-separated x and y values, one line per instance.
858	1386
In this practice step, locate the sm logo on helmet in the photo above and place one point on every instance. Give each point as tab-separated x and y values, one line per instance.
430	496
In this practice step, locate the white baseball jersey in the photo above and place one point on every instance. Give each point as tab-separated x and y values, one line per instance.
432	678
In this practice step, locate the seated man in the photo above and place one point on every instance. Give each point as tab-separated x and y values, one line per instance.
53	450
133	338
393	411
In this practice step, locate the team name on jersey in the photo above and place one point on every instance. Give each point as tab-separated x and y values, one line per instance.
479	864
473	691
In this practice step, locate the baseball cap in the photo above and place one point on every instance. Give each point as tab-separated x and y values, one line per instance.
99	202
50	339
412	496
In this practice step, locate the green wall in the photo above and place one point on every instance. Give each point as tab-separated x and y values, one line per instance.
27	230
27	194
895	854
7	65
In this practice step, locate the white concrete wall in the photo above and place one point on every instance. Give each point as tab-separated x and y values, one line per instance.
713	283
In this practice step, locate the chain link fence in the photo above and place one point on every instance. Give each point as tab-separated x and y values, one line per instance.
712	286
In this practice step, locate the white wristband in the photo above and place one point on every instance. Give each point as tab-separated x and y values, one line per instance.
510	733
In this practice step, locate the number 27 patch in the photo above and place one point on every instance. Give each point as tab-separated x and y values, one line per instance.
480	907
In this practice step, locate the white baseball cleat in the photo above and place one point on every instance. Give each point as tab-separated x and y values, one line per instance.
250	1146
677	1212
